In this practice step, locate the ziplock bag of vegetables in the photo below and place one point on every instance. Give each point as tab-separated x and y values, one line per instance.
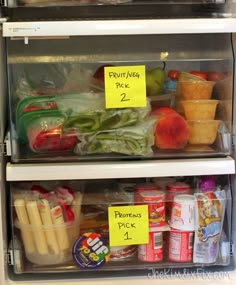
133	140
85	112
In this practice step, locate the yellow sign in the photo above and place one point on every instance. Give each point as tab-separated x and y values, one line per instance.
128	225
125	86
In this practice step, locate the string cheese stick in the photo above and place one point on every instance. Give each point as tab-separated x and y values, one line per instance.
26	233
61	232
76	205
36	223
45	214
76	209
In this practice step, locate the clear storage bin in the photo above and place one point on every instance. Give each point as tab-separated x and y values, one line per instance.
60	105
184	223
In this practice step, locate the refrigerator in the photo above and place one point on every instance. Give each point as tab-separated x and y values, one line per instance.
117	142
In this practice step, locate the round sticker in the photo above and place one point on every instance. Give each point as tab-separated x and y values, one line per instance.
90	251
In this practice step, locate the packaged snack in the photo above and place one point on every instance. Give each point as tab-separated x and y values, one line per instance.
210	208
134	140
46	235
34	103
85	112
42	130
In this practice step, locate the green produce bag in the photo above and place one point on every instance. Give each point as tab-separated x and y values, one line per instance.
134	140
86	112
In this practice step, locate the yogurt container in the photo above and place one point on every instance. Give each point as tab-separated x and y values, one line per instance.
155	199
180	246
153	251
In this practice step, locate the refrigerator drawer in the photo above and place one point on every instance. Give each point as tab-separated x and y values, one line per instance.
107	2
120	225
120	97
116	9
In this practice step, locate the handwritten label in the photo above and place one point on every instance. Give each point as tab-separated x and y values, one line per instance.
128	225
125	86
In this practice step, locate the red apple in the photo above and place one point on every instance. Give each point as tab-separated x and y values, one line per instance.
171	132
214	76
163	111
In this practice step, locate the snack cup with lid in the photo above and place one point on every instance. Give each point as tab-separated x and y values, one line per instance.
199	109
202	132
195	90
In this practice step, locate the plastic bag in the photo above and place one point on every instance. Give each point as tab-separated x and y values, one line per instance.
135	140
43	132
86	112
210	209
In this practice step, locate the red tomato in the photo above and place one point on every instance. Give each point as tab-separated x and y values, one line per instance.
202	75
173	74
226	74
214	76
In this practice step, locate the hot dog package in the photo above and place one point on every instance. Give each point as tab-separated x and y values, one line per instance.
210	209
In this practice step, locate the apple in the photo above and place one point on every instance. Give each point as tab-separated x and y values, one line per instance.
214	76
202	75
163	111
155	79
171	132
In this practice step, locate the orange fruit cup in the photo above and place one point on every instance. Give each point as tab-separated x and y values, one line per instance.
199	109
202	132
195	90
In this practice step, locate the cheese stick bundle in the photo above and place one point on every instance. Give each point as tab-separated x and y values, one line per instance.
49	223
37	230
45	214
26	232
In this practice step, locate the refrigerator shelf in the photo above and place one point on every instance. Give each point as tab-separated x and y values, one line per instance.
118	27
119	169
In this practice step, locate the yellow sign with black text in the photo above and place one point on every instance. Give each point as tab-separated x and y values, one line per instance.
125	86
128	225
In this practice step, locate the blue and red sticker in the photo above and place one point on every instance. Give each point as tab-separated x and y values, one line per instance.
90	251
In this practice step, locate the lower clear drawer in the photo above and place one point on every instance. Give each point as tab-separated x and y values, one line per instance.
121	225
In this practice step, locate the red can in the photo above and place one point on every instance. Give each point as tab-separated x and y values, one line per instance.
174	189
180	246
153	251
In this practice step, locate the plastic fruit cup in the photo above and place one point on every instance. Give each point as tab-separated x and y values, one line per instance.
195	90
202	132
199	109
